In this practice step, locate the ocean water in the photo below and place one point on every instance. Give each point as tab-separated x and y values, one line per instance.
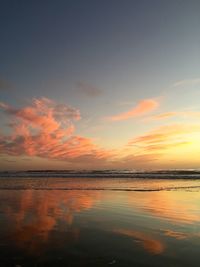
97	220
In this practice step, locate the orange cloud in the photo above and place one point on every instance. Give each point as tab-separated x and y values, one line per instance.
143	107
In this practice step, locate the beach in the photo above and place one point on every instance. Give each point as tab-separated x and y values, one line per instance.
63	221
100	133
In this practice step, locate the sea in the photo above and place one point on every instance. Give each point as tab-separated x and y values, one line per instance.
100	218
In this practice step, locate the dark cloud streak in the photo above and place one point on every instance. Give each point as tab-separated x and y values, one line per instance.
89	90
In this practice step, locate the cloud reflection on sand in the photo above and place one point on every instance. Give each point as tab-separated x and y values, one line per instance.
150	244
36	214
39	223
175	207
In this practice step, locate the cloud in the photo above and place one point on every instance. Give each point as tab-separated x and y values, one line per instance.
165	146
187	82
143	107
139	159
164	115
88	90
184	114
165	137
45	129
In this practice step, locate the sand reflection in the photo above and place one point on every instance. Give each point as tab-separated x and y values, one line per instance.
174	206
149	243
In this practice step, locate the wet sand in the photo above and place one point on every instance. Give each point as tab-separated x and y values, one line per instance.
50	223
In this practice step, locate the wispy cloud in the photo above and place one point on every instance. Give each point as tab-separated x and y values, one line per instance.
165	137
164	115
167	115
143	107
88	89
187	82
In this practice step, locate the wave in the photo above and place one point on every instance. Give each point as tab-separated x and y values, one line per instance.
187	188
98	184
165	174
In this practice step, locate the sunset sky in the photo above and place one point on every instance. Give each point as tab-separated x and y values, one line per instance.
110	84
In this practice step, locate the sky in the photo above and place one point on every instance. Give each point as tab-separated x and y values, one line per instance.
99	84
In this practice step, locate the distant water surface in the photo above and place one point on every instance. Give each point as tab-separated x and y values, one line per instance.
59	221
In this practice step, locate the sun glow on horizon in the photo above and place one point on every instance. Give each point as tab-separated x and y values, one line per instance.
46	130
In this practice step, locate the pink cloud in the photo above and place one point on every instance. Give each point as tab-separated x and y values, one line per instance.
143	107
45	129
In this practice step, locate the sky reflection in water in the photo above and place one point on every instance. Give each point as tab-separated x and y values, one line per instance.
87	228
